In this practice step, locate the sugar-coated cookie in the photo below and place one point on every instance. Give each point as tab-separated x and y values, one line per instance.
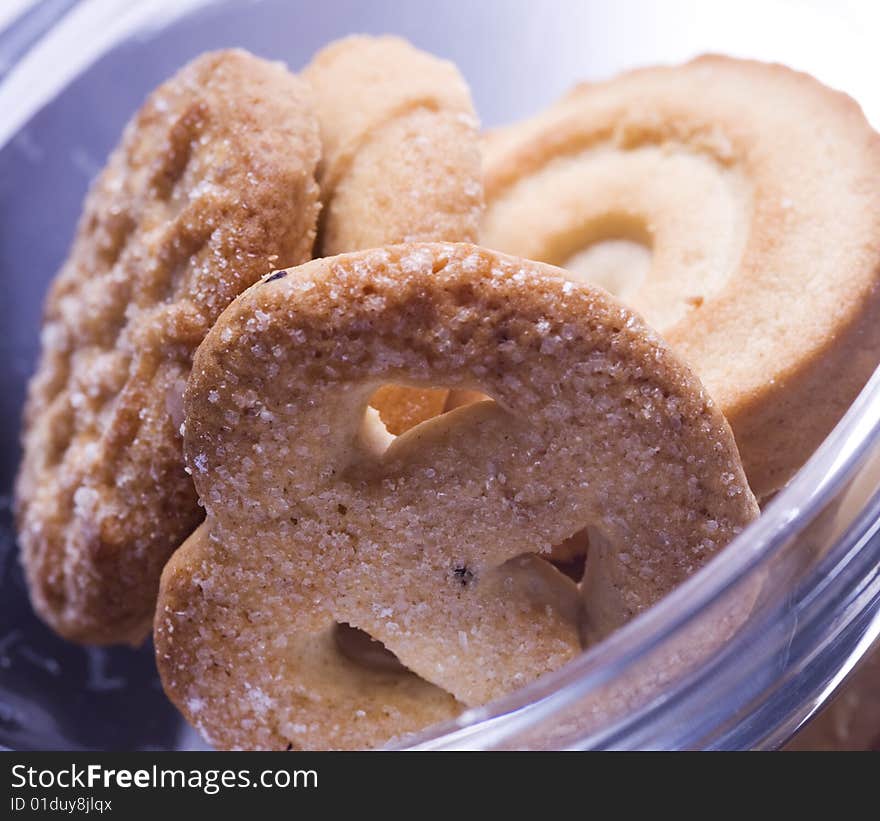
212	186
431	543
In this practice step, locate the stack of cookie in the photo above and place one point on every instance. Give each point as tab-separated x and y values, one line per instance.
359	473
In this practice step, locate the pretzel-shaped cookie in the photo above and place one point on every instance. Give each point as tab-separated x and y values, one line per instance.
430	544
735	205
401	163
212	186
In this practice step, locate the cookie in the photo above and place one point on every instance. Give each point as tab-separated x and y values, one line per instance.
212	186
431	544
401	163
736	206
339	683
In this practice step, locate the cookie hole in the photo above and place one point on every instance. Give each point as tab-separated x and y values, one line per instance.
362	649
570	556
613	251
536	579
401	407
617	264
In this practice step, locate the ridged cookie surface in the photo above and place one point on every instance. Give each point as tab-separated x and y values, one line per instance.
212	186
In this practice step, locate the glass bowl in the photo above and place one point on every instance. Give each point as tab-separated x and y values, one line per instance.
738	657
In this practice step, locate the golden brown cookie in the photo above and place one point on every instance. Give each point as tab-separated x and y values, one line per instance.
383	699
428	544
212	186
401	163
736	206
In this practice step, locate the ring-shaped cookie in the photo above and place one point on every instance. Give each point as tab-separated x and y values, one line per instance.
430	544
737	206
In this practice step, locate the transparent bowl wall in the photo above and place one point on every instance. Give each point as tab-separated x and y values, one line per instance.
795	599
